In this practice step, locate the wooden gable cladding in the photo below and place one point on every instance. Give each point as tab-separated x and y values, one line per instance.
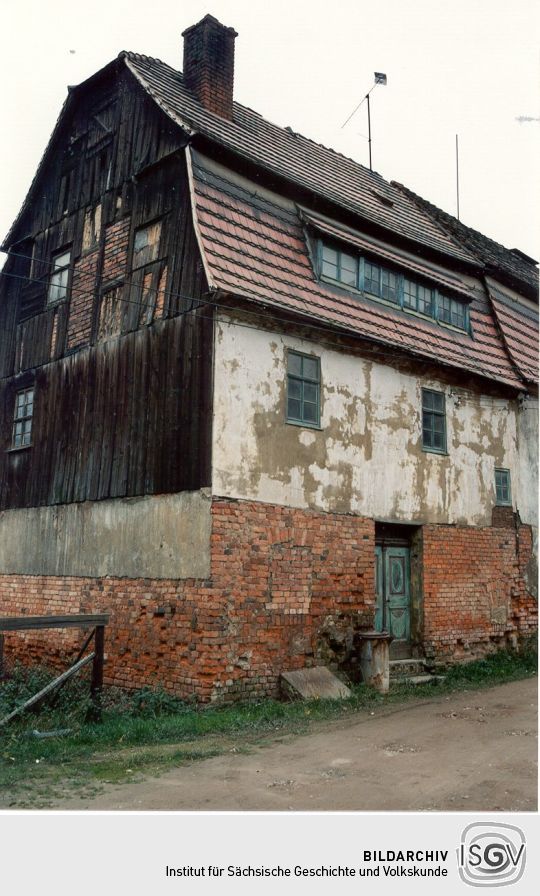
129	417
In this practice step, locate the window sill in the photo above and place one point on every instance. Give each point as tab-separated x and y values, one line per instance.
315	426
438	451
20	448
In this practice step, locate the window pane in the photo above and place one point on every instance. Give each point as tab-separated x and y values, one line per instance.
437	440
438	401
295	388
427	399
293	408
426	438
330	270
444	309
310	412
294	363
349	270
371	278
310	392
425	301
311	369
389	285
409	293
62	261
330	255
329	262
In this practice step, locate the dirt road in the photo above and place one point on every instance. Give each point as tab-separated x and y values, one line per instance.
466	752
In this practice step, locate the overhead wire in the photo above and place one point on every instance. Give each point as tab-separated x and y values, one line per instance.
227	307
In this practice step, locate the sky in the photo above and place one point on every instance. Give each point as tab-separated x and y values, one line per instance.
470	67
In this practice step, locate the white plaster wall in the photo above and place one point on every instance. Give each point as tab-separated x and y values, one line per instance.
367	457
526	489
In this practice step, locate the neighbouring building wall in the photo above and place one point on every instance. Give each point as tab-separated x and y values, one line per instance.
367	457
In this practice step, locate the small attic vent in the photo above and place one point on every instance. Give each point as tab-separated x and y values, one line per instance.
382	198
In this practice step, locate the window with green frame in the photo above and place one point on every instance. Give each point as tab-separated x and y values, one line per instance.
502	487
366	275
433	421
303	389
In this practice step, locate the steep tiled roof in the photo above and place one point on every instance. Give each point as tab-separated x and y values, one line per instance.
287	154
519	326
511	263
255	247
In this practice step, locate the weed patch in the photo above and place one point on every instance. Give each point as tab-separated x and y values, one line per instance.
147	731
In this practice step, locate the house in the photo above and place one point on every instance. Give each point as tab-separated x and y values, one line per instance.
254	398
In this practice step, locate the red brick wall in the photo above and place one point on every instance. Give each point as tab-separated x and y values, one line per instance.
232	634
277	575
209	65
115	253
475	596
83	286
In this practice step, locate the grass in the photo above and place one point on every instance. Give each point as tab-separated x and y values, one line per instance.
148	731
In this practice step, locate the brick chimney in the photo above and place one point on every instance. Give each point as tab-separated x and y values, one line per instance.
209	65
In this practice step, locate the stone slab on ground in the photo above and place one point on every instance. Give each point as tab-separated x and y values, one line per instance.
312	684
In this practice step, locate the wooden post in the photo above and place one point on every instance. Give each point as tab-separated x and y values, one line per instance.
96	685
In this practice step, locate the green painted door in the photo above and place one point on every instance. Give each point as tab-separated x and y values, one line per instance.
393	591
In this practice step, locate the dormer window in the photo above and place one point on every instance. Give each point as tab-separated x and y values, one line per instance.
339	266
377	281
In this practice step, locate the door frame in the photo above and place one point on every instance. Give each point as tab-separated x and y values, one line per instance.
404	535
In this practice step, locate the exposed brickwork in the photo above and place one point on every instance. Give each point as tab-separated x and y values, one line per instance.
82	297
84	280
475	595
209	65
115	253
229	635
278	575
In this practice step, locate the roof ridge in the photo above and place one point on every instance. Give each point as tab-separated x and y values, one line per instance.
454	221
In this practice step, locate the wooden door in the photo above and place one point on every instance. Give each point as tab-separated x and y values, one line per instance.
393	592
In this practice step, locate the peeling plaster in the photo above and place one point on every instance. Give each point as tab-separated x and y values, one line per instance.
367	457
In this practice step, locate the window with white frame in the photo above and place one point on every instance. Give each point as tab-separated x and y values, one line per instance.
58	282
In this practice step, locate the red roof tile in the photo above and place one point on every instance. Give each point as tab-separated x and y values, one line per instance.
519	326
256	248
290	155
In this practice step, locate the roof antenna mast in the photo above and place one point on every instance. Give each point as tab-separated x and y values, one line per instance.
457	174
380	78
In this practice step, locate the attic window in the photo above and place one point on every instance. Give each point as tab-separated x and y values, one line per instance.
366	275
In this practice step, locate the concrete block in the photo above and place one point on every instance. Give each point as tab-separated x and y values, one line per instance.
317	683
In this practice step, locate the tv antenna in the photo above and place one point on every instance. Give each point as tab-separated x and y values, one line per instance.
380	78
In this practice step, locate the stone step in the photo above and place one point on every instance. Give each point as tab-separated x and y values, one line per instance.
425	679
406	668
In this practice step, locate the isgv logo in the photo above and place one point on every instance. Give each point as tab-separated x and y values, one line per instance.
491	854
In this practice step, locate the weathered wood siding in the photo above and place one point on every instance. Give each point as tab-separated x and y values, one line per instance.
121	367
128	417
